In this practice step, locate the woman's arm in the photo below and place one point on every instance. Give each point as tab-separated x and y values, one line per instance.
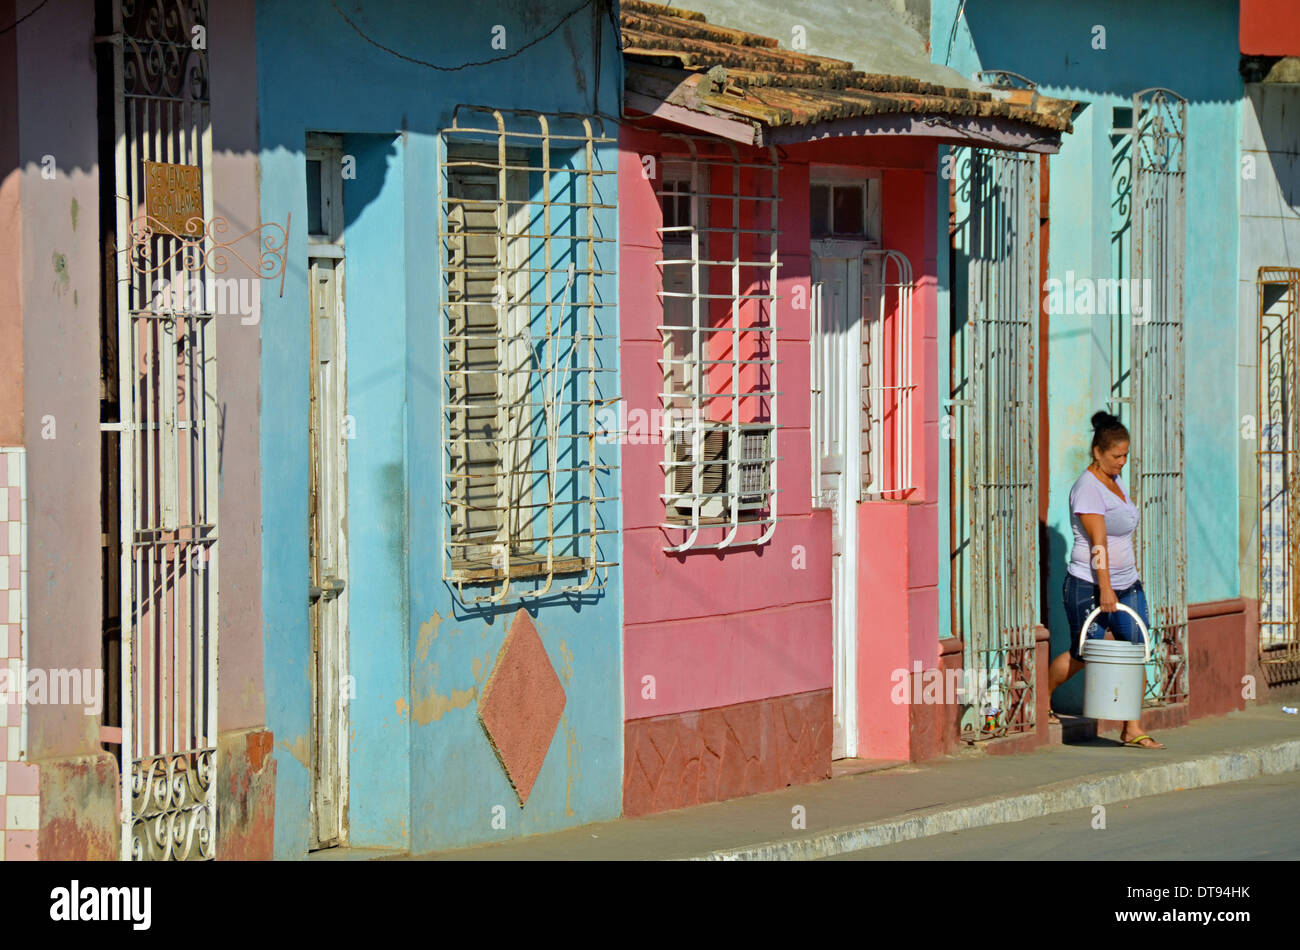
1095	525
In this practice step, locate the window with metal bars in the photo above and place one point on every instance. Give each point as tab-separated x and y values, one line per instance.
719	274
887	472
879	378
1279	435
523	326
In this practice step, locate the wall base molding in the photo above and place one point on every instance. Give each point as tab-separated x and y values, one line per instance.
709	755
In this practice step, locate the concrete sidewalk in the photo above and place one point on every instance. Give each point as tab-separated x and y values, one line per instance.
909	801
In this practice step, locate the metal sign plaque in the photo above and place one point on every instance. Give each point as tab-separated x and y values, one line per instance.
173	197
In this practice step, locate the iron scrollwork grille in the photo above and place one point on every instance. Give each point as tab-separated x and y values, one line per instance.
167	392
1158	152
995	469
1279	475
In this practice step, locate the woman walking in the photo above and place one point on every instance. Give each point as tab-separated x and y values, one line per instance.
1103	567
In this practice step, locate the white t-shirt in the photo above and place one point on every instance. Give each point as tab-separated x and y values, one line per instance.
1090	496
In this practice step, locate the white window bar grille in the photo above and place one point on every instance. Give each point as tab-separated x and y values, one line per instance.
167	392
1279	476
995	471
523	325
1159	159
880	379
719	398
887	393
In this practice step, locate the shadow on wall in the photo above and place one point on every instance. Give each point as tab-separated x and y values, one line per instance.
1280	133
1056	555
1107	47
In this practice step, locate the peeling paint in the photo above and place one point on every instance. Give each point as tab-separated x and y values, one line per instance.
250	694
78	809
566	667
432	707
481	668
59	262
401	707
428	633
300	750
573	757
245	813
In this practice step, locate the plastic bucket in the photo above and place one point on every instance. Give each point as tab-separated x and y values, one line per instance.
1116	678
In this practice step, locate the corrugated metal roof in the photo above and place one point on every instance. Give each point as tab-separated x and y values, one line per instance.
678	56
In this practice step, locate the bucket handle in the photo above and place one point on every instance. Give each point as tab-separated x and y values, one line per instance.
1146	638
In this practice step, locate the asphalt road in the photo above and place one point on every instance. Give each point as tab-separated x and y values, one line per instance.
1255	820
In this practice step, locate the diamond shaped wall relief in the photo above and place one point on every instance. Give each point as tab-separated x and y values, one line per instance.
521	705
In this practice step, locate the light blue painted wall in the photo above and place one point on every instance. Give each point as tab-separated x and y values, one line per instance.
377	311
1190	47
423	775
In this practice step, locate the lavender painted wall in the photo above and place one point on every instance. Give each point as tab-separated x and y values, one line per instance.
236	173
60	287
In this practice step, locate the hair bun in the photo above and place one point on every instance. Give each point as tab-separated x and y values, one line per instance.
1104	420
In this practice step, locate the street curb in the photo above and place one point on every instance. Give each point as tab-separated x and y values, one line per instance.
1235	765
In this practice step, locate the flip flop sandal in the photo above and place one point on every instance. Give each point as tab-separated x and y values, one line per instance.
1136	742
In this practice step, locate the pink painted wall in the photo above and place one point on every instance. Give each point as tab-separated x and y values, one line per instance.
908	212
60	347
717	628
898	541
11	314
19	801
232	65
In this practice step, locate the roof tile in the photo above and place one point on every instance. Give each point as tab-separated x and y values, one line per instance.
786	87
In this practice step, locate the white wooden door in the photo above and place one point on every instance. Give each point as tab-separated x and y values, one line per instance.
838	376
328	594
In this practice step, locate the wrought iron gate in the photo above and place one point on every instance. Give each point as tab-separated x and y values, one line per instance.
995	470
166	394
1279	479
1154	390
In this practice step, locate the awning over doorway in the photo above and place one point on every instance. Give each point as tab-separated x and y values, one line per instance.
744	87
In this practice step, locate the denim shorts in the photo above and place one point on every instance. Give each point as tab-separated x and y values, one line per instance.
1080	599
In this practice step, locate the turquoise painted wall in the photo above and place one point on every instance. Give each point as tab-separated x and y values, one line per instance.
947	413
423	775
1191	48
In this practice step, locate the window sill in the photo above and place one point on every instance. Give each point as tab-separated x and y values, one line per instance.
684	521
522	567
